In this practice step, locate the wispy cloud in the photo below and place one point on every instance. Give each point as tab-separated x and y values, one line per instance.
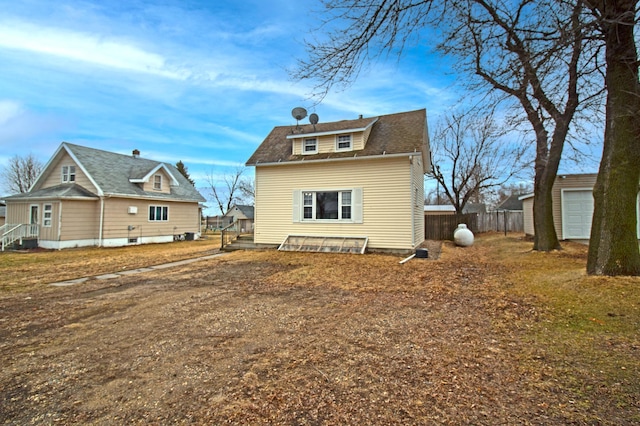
86	47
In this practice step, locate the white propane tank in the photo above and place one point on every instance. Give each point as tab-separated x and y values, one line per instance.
463	236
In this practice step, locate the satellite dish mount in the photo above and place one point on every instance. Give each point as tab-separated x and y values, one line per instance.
298	113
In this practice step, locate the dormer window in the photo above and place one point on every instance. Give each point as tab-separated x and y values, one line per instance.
157	182
310	146
68	174
343	143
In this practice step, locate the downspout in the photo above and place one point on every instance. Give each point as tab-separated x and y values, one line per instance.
101	221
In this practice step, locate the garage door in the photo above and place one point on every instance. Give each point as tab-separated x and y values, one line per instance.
577	212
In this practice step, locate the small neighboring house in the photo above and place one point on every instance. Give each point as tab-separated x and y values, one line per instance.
243	215
512	203
3	212
572	197
359	179
89	197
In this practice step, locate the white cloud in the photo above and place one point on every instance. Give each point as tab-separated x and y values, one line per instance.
9	110
86	47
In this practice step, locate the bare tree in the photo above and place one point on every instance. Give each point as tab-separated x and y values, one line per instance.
613	247
477	156
248	190
20	173
225	189
528	53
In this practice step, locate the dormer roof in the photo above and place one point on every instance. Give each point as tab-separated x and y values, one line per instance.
392	134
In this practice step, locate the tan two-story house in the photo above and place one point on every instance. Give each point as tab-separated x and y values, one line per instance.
359	180
91	197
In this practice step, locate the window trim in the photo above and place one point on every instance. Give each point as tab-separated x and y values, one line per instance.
157	182
164	211
313	206
68	174
304	146
47	215
350	147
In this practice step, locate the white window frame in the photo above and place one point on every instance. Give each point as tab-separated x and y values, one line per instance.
47	215
304	146
68	174
309	201
344	137
157	182
164	213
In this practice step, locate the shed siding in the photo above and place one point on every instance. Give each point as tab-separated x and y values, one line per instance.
386	197
55	176
527	214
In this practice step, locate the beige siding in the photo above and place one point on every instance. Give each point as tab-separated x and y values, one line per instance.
386	185
18	212
166	183
183	217
328	143
80	220
49	232
527	209
55	174
418	200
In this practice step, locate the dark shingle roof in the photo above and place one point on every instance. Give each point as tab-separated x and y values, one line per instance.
65	190
399	133
511	203
111	173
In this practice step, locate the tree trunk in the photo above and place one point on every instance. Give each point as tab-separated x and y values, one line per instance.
613	248
545	236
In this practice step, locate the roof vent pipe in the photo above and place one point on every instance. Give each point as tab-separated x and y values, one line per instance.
136	153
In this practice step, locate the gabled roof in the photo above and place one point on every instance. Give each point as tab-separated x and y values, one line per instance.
400	133
512	203
247	211
117	174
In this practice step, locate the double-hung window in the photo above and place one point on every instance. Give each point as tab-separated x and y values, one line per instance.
343	143
158	213
68	174
310	146
46	218
157	182
326	205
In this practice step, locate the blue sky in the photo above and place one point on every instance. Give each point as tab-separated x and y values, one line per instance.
202	82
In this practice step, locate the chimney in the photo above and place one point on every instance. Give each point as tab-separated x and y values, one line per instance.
136	153
360	116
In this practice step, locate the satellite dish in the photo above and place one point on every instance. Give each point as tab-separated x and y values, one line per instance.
299	113
313	119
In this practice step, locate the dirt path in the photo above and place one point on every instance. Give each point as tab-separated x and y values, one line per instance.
232	340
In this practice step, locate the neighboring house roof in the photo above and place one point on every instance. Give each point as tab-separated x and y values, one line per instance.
117	175
400	133
513	202
65	190
247	211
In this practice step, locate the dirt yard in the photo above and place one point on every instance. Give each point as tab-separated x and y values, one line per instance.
301	339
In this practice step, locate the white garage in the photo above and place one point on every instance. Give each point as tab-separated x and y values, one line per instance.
577	213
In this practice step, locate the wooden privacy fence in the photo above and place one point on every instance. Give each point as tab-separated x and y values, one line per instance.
441	227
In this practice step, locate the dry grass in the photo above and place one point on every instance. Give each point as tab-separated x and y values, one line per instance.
21	271
490	334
